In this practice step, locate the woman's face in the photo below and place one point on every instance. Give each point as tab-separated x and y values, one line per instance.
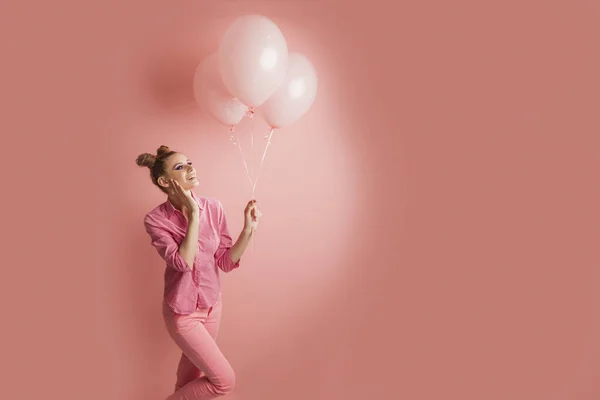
180	168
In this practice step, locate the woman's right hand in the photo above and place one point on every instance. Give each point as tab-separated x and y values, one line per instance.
251	216
189	207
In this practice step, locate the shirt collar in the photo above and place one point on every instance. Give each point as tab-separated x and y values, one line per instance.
171	209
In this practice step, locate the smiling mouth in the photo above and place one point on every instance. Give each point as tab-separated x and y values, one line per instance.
191	178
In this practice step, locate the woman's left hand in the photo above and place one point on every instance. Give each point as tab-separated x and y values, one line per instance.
251	216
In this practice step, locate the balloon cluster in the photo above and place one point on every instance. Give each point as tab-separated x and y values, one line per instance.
253	68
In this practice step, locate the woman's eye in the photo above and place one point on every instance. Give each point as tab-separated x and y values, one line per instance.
178	167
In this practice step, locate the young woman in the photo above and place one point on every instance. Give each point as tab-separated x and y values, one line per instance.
190	233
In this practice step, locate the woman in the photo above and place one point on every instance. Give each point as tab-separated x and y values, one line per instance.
190	233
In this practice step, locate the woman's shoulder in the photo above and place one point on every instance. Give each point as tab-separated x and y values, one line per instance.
156	213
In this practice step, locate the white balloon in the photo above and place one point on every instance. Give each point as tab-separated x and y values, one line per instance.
212	95
295	95
253	59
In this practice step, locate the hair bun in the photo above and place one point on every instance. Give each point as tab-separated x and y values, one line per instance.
146	160
162	150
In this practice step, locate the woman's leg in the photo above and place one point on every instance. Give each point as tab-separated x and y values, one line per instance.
195	341
186	370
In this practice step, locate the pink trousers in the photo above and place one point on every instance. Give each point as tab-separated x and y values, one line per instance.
203	371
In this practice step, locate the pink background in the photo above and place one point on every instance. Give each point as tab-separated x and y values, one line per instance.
430	228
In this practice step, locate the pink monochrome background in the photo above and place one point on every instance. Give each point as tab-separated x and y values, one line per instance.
430	227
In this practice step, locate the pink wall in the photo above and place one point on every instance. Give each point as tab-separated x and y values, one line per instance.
430	227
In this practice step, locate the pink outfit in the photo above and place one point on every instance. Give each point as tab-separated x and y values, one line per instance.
203	372
186	289
192	298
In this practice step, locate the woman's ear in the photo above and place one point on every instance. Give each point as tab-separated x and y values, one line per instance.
163	182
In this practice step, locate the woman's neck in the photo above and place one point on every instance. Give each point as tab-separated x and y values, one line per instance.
175	202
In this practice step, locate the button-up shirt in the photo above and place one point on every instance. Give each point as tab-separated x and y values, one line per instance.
187	289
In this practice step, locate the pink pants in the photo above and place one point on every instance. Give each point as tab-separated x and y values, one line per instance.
203	372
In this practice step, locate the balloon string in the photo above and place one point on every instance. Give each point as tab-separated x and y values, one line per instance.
250	115
252	130
252	124
244	160
262	159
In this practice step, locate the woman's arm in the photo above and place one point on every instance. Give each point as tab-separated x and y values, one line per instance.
240	244
228	256
189	245
168	249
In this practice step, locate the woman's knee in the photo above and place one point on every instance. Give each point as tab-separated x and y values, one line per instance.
225	382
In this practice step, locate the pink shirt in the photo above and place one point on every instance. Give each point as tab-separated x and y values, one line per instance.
186	289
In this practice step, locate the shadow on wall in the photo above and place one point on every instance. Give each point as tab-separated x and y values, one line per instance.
169	75
150	347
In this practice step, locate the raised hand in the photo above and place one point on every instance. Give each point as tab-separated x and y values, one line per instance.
251	216
189	207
